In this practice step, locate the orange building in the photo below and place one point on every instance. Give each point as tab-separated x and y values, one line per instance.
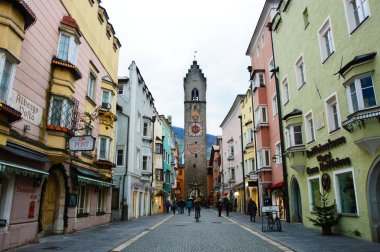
180	182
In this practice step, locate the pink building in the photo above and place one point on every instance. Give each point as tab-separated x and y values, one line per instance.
266	121
53	71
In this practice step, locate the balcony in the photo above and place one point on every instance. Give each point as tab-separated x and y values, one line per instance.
364	128
297	157
230	157
232	180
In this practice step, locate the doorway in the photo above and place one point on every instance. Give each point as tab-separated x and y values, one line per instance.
49	205
296	201
373	189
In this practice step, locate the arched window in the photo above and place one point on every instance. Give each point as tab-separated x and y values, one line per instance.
195	95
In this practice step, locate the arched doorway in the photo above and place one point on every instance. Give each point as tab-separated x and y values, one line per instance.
373	189
296	201
53	204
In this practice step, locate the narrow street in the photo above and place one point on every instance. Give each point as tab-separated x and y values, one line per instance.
168	232
159	233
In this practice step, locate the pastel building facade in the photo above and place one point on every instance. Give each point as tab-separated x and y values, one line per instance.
232	172
266	114
55	77
328	77
158	159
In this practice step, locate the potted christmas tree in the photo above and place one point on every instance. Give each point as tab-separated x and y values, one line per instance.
326	216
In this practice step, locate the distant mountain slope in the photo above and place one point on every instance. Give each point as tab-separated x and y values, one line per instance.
180	137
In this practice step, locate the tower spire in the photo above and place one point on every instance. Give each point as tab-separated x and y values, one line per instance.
195	55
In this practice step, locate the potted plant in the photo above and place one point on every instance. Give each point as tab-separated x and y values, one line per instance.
326	215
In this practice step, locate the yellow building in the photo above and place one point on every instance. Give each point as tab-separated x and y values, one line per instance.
58	93
249	148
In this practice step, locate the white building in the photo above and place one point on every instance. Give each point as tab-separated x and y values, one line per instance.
134	145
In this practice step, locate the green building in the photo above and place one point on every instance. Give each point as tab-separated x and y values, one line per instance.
329	82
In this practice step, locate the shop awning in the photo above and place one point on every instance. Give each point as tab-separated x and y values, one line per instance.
25	153
21	170
91	181
277	185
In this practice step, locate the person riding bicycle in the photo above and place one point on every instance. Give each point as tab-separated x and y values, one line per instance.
197	208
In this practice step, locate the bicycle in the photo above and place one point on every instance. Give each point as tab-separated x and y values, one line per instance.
197	215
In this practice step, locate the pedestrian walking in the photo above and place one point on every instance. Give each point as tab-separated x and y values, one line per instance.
174	206
167	205
252	209
227	206
219	205
189	205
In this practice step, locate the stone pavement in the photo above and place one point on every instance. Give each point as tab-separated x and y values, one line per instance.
299	238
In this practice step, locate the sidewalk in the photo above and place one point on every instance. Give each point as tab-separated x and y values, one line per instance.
299	238
99	238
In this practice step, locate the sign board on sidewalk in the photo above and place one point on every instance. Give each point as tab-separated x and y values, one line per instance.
82	143
270	209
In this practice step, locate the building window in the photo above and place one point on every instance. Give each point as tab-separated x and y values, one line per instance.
293	135
120	155
232	173
138	159
274	105
250	135
100	205
138	123
278	153
300	72
146	129
263	158
91	86
314	192
121	89
357	12
361	94
271	67
309	125
60	112
158	148
7	70
104	148
107	99
195	95
159	175
261	115
326	42
252	163
306	18
145	163
231	150
285	91
82	200
345	192
333	114
68	48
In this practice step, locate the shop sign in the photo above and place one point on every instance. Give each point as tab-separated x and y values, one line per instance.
22	189
82	143
270	209
30	111
253	176
331	144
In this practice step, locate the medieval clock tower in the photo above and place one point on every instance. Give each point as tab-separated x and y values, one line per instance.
195	133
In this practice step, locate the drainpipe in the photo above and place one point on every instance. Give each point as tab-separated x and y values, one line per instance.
284	170
125	174
153	152
254	139
242	158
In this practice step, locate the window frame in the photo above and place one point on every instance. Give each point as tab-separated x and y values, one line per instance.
337	193
359	94
352	24
108	101
91	85
120	89
107	150
290	137
261	115
309	179
100	199
284	83
65	115
300	74
309	128
274	105
72	52
329	102
6	57
120	148
263	158
82	209
325	28
278	153
145	163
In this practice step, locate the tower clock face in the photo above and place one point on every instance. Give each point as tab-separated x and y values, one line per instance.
195	129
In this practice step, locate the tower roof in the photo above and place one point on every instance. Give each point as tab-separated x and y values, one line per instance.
193	71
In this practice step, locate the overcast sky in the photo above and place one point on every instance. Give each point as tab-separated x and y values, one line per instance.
162	35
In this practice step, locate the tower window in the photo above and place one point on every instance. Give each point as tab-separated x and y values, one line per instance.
196	155
195	95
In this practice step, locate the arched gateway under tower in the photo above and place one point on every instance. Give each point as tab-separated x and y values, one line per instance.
195	132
